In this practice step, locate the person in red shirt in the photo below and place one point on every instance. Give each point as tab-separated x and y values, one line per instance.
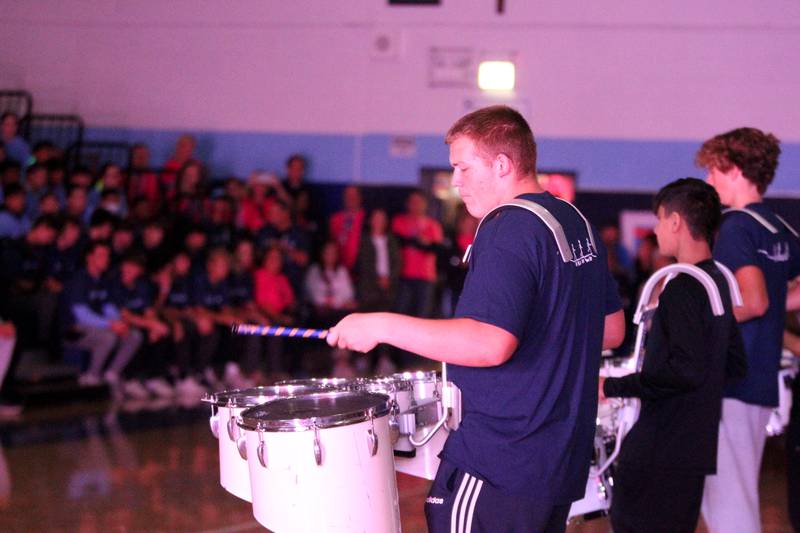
264	189
419	236
346	226
184	153
275	298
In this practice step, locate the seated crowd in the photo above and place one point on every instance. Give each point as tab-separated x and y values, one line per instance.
137	275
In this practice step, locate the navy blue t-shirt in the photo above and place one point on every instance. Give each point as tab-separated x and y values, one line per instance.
83	289
743	241
136	299
528	425
240	288
180	292
211	296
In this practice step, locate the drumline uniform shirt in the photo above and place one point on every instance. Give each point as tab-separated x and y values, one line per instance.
528	425
743	241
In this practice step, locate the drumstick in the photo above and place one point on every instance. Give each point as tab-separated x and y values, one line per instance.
279	331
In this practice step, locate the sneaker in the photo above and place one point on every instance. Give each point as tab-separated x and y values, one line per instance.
160	387
210	377
232	374
89	380
190	388
134	389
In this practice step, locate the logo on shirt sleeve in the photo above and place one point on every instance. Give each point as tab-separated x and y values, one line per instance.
780	252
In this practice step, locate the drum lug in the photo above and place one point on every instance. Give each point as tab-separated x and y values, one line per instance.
372	442
233	430
317	447
241	445
261	451
214	423
372	437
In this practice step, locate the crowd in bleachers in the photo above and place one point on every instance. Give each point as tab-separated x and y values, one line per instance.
136	274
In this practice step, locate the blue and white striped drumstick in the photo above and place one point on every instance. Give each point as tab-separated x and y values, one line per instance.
279	331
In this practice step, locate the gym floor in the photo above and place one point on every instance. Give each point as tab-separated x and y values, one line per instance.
97	466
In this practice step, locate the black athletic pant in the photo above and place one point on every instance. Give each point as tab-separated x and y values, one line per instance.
650	501
460	502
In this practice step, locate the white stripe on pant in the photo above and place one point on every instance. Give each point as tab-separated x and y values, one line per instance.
464	504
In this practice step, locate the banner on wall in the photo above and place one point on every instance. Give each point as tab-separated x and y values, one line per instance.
635	225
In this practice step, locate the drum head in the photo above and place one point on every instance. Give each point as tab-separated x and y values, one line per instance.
320	409
260	395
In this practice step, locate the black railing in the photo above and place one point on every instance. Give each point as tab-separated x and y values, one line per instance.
64	131
95	154
20	103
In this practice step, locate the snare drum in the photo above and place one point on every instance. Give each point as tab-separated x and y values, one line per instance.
225	407
323	462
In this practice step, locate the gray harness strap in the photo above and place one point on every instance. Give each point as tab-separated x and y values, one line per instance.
758	218
545	216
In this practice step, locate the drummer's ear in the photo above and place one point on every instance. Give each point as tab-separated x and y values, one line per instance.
502	165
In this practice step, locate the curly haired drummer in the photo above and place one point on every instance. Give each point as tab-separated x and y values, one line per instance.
537	307
763	251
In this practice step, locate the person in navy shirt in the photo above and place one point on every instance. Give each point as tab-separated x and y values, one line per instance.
211	314
96	319
524	345
763	253
134	295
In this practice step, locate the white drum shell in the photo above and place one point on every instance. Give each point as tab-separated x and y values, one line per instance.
351	491
234	475
426	461
427	388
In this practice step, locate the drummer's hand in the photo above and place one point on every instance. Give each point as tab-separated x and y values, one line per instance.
600	394
356	331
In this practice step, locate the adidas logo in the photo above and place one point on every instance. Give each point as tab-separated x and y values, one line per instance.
435	501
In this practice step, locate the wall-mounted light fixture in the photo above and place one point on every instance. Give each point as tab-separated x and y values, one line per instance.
496	75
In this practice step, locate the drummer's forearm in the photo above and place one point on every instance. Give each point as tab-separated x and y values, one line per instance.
461	341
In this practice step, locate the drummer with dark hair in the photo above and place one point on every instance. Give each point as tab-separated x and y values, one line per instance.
537	307
690	354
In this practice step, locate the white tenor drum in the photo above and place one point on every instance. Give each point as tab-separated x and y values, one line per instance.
415	453
322	463
234	475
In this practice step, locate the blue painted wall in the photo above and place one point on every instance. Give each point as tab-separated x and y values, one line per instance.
611	165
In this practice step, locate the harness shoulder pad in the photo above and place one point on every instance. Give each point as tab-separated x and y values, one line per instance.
544	215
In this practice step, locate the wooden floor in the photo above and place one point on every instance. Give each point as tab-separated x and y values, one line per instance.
100	467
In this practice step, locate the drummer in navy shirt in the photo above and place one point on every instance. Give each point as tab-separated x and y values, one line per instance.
524	346
763	253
